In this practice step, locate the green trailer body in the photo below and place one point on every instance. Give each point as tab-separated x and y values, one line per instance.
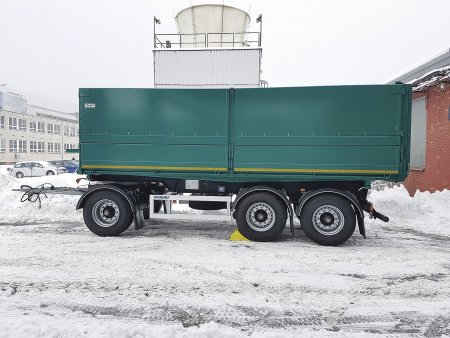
299	134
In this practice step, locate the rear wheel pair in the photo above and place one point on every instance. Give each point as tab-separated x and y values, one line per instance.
325	219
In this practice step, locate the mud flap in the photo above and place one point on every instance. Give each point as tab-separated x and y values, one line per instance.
361	226
139	220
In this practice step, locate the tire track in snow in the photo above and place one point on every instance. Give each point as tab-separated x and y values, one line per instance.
103	305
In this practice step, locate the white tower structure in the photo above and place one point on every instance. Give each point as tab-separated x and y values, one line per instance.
212	49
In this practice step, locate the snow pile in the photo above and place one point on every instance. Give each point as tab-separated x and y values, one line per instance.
55	208
425	209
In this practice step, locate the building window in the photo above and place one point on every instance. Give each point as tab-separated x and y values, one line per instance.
69	131
13	146
13	123
418	134
2	122
2	145
23	124
37	147
22	146
37	127
17	146
41	147
54	148
53	128
70	146
33	147
41	127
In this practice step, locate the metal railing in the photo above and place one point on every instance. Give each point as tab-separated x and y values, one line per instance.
205	40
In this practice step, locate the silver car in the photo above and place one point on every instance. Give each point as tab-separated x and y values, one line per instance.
35	168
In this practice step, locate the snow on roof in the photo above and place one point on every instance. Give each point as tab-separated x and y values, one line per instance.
417	67
420	71
432	78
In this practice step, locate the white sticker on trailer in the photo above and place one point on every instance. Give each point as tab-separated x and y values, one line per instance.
161	197
89	105
191	184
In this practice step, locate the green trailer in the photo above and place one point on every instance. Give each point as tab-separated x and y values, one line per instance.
277	153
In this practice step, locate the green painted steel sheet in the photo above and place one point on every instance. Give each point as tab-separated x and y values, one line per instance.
278	134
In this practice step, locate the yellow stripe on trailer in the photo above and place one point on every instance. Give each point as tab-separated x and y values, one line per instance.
146	167
317	171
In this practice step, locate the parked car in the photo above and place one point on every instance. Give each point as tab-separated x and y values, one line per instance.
70	165
35	168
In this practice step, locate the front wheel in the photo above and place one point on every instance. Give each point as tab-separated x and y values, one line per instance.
107	214
261	217
328	220
50	173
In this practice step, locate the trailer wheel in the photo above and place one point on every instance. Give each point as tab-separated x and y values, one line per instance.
107	214
261	217
328	220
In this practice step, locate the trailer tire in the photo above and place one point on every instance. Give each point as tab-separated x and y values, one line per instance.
107	213
328	220
261	217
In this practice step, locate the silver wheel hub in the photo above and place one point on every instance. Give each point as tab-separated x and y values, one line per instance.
260	216
328	220
105	213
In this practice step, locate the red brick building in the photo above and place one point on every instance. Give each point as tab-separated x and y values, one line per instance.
430	133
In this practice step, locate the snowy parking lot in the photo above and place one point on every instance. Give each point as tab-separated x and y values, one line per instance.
186	278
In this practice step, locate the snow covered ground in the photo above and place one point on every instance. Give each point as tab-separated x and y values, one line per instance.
186	279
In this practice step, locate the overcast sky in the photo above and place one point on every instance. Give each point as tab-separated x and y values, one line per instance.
50	48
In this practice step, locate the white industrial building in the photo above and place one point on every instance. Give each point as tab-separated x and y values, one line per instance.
213	48
29	132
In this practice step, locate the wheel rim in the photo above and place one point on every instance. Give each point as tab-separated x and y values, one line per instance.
260	217
105	213
19	175
328	220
